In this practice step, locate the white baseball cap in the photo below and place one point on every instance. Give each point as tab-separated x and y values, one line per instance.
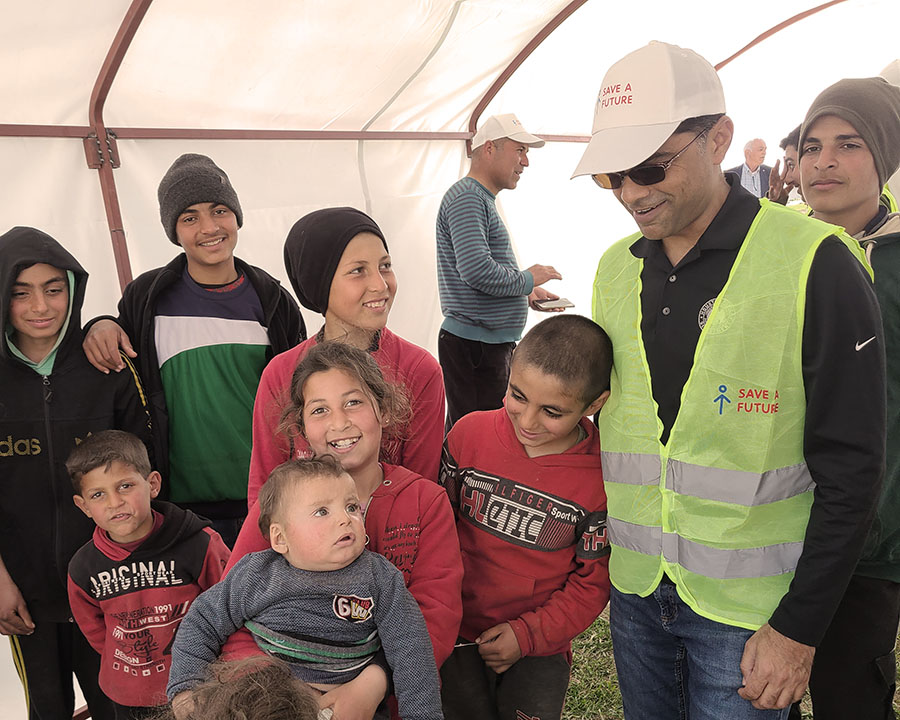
504	126
644	97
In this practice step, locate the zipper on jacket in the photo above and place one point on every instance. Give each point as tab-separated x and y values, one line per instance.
48	398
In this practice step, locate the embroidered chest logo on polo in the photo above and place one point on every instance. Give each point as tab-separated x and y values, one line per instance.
353	608
725	314
705	310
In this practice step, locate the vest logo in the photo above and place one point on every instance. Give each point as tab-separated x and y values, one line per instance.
754	401
353	608
722	398
23	446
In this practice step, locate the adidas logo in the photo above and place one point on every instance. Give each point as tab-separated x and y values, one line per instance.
23	446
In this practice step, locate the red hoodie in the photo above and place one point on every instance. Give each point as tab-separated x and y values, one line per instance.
129	599
401	362
532	533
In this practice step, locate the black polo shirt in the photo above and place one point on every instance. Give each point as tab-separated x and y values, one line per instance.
845	412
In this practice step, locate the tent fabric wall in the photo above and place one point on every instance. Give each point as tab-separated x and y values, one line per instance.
279	182
396	65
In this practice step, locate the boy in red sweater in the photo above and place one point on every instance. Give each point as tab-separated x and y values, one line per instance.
527	488
132	584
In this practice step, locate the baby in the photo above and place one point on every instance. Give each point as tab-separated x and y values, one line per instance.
317	599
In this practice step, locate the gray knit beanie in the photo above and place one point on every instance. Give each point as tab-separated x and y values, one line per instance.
194	179
872	107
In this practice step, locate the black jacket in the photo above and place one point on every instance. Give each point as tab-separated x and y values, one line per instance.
137	309
42	418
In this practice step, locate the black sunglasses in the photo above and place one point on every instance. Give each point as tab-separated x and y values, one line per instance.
642	174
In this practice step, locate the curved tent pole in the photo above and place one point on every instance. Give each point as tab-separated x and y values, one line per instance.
564	14
516	62
775	28
100	146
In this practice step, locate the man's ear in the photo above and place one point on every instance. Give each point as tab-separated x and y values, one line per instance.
720	136
277	538
82	505
595	406
155	480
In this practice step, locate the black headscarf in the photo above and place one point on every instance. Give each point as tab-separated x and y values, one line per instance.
314	247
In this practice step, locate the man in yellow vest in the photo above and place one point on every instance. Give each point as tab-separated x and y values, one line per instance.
851	145
743	441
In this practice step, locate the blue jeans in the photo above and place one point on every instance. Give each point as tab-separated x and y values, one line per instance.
673	663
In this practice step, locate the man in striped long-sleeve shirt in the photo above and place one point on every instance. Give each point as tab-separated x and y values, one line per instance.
484	295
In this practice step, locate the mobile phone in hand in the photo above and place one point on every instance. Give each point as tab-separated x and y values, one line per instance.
554	304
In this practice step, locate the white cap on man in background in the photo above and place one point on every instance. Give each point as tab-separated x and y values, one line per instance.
504	126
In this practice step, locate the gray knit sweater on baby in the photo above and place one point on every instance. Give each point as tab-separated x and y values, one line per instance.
327	625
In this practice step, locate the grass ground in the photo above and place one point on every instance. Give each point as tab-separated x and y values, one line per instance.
593	690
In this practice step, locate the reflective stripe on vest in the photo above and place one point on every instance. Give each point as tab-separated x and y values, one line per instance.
702	560
705	482
722	508
735	486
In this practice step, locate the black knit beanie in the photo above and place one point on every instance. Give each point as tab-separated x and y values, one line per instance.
872	107
194	179
313	249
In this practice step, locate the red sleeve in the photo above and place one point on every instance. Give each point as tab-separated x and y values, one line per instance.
421	452
242	645
270	448
573	607
436	578
239	646
87	613
217	554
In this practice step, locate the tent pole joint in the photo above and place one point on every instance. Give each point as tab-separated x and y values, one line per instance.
93	152
97	153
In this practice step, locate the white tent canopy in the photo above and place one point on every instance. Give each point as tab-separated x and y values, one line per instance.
298	69
321	79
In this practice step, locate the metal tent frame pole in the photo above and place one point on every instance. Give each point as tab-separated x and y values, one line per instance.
100	141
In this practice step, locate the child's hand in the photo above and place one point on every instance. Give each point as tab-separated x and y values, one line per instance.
183	704
14	616
499	647
101	346
359	698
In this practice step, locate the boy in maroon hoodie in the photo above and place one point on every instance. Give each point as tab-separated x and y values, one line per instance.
132	584
527	488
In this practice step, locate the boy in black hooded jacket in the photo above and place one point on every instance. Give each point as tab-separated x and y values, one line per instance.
52	399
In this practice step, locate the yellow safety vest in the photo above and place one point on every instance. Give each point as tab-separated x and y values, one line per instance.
723	506
888	200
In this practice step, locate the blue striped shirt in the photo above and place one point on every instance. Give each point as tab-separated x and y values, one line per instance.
483	292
